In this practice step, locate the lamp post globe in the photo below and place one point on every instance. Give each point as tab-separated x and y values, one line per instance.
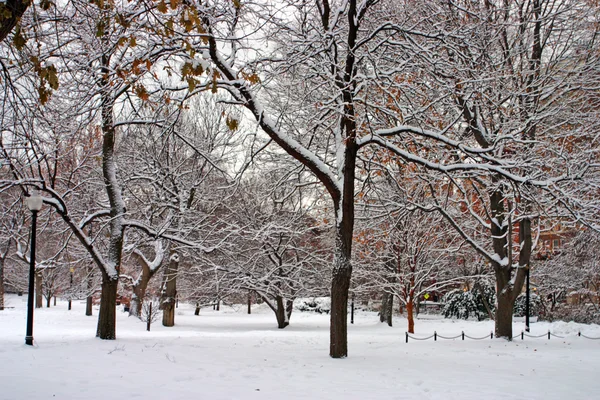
34	203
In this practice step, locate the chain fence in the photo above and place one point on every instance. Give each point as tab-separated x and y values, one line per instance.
463	335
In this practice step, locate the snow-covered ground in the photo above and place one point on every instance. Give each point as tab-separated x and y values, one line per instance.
232	355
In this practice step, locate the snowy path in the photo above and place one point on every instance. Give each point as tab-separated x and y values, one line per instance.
229	355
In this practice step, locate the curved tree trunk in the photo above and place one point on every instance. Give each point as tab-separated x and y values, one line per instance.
139	293
149	268
283	312
170	291
108	309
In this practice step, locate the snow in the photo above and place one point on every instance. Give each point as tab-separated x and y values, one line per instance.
232	355
502	261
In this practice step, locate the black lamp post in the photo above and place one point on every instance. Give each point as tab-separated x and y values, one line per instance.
71	286
34	203
527	300
352	310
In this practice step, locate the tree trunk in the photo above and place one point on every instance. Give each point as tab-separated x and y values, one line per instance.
504	314
107	317
249	302
410	316
340	283
140	286
197	311
387	308
507	291
505	302
283	311
342	259
135	309
48	301
39	297
501	242
89	300
110	277
170	291
88	306
139	293
384	307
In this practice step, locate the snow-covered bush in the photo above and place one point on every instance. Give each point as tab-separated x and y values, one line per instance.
313	304
583	314
464	304
460	304
535	305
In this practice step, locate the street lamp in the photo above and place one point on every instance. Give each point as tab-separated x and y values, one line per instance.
34	203
527	300
71	286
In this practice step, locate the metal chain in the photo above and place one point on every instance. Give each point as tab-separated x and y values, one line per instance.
449	338
534	337
474	338
416	338
592	338
487	336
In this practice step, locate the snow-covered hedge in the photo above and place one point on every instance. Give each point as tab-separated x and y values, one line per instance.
583	314
464	304
313	304
535	305
461	305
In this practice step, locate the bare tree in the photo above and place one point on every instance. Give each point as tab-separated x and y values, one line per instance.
325	89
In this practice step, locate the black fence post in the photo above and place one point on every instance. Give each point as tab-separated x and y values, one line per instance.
463	335
406	337
578	333
434	335
548	334
522	335
491	335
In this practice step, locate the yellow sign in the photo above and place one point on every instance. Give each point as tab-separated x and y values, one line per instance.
426	296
